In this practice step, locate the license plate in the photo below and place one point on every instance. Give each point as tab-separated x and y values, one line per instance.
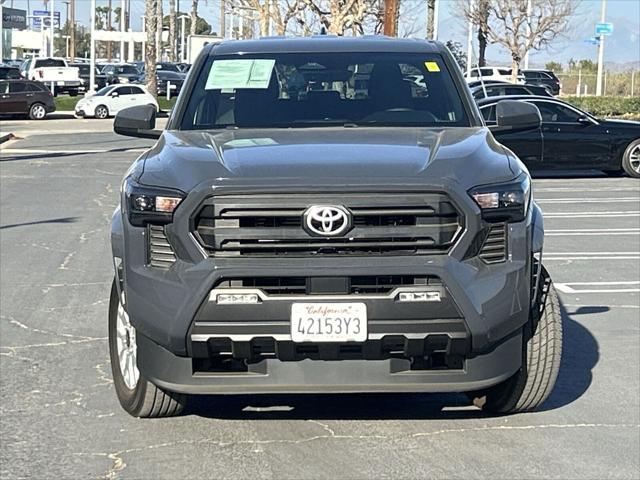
329	322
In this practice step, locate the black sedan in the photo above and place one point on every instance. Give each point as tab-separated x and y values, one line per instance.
570	138
166	79
25	97
120	73
502	89
85	75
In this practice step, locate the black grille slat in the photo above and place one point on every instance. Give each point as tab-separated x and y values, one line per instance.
271	225
160	253
494	248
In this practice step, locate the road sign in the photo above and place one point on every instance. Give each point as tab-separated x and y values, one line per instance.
592	41
39	15
604	28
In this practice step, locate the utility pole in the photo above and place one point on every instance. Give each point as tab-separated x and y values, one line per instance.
391	18
109	53
601	51
53	28
526	55
72	33
222	18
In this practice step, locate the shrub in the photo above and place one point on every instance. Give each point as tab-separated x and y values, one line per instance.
629	107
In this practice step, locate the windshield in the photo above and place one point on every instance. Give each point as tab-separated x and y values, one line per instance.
49	62
104	90
318	89
126	69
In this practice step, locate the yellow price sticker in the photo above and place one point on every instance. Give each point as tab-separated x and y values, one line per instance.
432	66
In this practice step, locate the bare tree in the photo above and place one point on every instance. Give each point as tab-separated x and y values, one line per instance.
483	26
283	11
336	16
391	13
172	30
509	24
151	26
194	16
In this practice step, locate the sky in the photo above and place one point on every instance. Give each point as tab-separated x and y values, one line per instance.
622	47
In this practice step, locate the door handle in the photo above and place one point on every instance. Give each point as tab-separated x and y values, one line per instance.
29	95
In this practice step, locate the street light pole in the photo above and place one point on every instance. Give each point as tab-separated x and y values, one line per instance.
53	28
470	42
183	47
92	64
601	52
526	55
122	25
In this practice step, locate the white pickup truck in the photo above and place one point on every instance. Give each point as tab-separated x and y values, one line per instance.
54	70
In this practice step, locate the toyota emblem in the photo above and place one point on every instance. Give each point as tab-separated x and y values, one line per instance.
326	220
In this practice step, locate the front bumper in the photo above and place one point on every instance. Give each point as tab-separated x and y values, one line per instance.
481	322
175	373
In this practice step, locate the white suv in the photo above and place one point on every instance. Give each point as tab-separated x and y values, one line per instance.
502	74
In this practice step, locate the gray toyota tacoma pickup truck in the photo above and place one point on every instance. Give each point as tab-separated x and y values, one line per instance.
327	214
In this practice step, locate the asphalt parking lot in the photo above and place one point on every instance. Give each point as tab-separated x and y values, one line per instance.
59	417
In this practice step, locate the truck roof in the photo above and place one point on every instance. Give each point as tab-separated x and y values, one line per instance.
325	43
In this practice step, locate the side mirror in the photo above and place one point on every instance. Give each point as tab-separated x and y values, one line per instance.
115	94
584	121
516	116
139	121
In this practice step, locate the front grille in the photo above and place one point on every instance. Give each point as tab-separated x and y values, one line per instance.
271	225
494	248
160	253
356	285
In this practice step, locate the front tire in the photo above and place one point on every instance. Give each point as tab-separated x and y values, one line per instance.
37	111
137	396
101	112
631	159
528	388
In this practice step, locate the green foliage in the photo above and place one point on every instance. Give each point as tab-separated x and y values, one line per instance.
553	66
628	107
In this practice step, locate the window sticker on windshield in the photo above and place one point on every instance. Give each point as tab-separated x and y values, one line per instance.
241	73
432	66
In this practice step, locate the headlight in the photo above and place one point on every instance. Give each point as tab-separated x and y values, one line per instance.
150	204
507	202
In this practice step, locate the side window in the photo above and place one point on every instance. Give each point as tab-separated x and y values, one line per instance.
32	87
17	87
545	76
3	87
555	113
486	72
123	91
136	91
489	114
514	91
504	71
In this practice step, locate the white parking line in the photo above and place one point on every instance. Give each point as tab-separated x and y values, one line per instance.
633	213
592	231
28	151
568	287
586	189
588	200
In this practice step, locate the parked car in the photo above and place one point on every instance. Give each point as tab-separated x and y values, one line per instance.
168	66
111	99
543	78
184	67
85	77
25	97
120	73
502	89
491	73
52	70
10	73
166	79
570	138
327	241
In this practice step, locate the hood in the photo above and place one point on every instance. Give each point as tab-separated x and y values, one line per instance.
333	156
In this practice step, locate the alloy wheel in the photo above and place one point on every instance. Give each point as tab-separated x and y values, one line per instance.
127	348
38	112
634	158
